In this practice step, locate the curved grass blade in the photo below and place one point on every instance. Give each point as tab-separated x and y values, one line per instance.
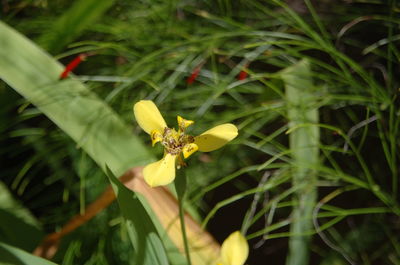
15	256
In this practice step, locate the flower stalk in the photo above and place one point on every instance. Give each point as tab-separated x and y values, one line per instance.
180	186
304	142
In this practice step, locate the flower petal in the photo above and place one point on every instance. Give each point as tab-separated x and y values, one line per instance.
155	137
234	249
148	116
161	172
216	137
189	149
183	124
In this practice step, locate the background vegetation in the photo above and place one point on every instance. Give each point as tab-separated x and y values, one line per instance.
313	177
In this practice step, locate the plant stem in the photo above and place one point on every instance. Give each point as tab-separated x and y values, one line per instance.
303	142
182	219
180	186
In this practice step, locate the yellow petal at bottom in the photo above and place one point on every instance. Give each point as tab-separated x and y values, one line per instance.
161	172
234	249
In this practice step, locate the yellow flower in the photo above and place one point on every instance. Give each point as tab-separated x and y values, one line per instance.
234	250
175	142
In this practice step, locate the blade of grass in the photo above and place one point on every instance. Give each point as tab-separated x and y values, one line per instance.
82	14
301	100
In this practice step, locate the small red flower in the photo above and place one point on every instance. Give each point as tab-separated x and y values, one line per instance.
242	75
73	64
194	75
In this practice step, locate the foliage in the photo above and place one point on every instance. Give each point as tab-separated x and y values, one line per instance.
148	49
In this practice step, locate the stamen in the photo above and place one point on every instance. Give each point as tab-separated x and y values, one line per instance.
156	137
178	142
183	124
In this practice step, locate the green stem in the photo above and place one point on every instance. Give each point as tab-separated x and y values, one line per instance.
185	241
304	144
180	186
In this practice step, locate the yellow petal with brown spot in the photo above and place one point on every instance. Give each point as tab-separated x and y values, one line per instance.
189	149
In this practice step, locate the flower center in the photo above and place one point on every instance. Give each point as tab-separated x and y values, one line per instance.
174	141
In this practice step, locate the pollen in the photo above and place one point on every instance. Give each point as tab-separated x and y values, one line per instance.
156	137
174	142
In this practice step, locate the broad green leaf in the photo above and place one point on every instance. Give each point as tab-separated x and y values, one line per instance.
18	227
302	108
14	256
142	232
76	19
68	103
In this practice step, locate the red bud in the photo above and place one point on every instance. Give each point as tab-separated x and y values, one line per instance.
73	64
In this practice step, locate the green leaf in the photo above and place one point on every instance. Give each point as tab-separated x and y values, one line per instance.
81	114
81	15
18	227
143	234
11	255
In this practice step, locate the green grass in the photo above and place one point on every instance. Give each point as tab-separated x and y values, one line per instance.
313	177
